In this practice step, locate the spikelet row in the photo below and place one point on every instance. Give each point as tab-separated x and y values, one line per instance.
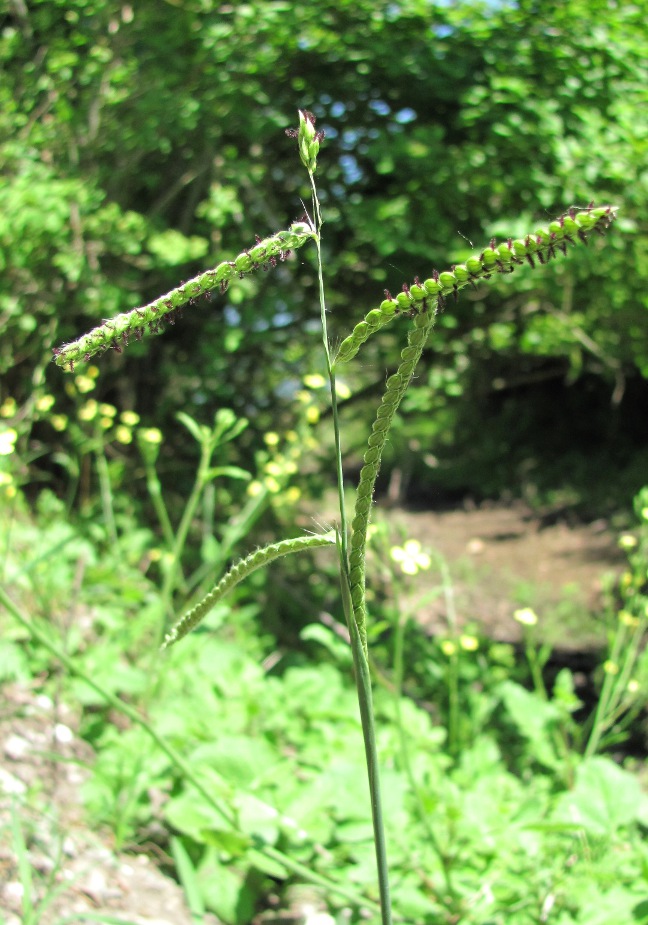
116	333
237	573
541	245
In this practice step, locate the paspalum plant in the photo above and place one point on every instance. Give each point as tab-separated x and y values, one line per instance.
418	304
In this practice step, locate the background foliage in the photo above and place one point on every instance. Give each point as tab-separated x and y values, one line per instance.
141	144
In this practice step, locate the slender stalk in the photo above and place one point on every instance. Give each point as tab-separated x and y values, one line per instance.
399	649
609	707
358	646
330	368
533	661
171	575
237	528
453	662
452	678
365	701
154	489
106	494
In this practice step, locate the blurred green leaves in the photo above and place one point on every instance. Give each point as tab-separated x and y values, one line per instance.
138	141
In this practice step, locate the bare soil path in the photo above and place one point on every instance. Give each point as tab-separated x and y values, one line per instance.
501	558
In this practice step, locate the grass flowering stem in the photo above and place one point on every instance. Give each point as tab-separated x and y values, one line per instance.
330	368
358	642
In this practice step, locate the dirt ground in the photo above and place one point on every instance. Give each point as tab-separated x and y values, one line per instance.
498	558
53	867
501	558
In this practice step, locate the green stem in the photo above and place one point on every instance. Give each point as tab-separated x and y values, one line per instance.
238	527
535	668
155	493
452	676
330	368
358	643
171	575
106	495
399	648
608	709
365	701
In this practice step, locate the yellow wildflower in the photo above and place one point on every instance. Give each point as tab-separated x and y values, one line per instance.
151	435
45	402
627	618
8	407
8	439
129	418
59	421
84	384
88	412
314	381
526	616
124	434
410	557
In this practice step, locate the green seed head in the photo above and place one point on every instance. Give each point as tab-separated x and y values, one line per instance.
258	253
588	219
388	307
308	139
243	263
432	287
489	257
569	225
448	280
374	317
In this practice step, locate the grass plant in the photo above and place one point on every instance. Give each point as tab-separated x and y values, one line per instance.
418	304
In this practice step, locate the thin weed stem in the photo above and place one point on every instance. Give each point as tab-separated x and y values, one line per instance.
610	706
358	640
399	626
154	489
331	375
106	494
